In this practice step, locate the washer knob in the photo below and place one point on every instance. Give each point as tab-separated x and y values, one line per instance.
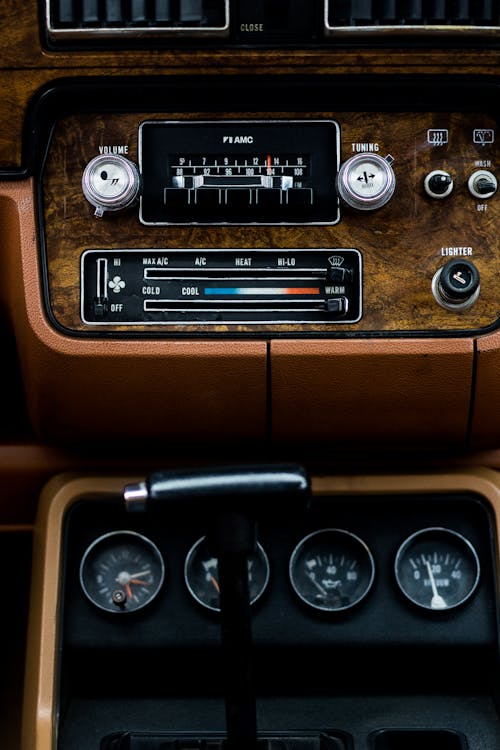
366	181
482	184
110	183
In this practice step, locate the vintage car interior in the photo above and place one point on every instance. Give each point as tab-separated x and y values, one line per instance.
250	441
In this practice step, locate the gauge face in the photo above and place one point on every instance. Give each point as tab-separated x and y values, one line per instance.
437	569
331	570
201	575
122	572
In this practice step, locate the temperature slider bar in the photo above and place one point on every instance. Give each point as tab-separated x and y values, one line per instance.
258	292
238	291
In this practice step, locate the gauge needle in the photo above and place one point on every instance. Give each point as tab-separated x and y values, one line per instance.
124	577
318	586
437	601
214	583
129	591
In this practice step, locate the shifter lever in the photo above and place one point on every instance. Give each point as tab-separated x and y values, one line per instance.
231	536
243	482
231	539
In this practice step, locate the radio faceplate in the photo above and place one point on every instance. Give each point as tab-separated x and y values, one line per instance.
239	172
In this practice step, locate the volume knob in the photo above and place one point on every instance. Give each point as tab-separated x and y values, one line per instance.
366	181
110	183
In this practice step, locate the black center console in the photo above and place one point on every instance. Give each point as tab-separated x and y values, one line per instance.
374	624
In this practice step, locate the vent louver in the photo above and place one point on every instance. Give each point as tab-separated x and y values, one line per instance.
116	18
412	15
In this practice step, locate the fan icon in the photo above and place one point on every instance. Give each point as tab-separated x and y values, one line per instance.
117	284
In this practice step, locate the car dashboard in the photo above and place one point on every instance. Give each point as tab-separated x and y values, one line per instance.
251	420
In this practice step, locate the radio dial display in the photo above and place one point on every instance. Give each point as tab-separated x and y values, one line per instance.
273	172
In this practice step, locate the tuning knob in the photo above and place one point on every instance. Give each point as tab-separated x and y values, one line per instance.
110	183
366	181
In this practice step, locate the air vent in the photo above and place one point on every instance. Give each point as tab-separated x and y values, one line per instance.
80	19
411	16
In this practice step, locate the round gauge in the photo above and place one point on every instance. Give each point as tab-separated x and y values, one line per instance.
122	571
331	570
437	569
201	575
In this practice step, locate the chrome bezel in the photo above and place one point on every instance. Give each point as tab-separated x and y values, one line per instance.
130	192
134	32
137	537
444	531
447	304
188	561
407	30
353	538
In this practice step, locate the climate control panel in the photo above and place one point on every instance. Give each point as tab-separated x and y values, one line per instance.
221	286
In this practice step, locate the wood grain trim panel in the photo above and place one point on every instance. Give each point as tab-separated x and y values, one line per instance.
40	688
402	244
21	25
22	83
26	65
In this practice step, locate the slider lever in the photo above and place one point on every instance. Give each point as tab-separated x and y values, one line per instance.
231	536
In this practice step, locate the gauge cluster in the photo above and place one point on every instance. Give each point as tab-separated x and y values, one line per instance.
338	562
381	591
330	570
